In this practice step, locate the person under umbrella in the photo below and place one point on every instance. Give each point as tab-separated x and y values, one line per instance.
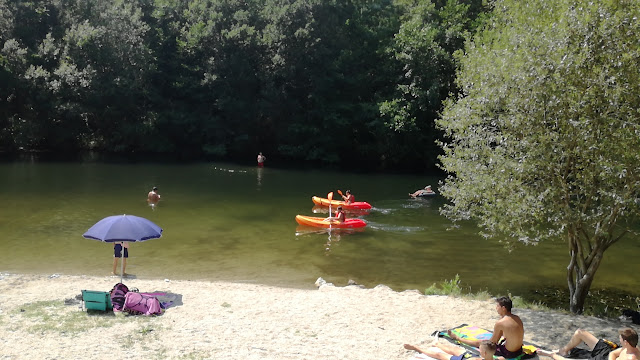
121	229
117	254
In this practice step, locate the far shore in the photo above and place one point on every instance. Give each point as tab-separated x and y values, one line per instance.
224	320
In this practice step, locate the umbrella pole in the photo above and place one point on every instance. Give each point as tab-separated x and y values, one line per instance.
121	262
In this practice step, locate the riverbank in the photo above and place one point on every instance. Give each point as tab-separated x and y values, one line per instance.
220	320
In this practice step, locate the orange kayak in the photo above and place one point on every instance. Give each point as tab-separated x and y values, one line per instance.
358	205
322	223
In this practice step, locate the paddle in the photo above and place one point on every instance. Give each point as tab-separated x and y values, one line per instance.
330	197
341	194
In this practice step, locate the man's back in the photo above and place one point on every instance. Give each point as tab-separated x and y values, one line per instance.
153	197
511	328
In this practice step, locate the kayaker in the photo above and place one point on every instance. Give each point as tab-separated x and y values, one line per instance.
340	215
349	198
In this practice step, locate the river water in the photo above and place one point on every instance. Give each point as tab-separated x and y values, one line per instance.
236	223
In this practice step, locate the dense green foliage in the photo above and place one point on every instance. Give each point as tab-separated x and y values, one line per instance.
544	141
323	81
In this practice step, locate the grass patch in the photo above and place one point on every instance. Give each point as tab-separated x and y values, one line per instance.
519	302
55	316
194	356
452	288
147	330
447	287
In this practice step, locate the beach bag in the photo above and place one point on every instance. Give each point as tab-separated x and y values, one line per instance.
118	296
140	304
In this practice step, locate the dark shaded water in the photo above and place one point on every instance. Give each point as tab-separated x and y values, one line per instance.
231	222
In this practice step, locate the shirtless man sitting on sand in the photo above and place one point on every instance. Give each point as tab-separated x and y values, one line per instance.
508	327
600	349
441	351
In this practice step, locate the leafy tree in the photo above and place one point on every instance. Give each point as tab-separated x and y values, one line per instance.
103	70
544	141
24	23
295	72
423	48
219	41
7	79
79	68
325	70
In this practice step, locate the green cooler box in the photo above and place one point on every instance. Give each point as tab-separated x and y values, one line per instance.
96	300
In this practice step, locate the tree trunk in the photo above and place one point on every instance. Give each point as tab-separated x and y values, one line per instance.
581	272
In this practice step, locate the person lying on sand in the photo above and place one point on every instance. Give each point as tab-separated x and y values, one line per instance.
509	327
451	352
601	349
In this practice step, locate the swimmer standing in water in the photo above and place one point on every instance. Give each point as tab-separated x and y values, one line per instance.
153	197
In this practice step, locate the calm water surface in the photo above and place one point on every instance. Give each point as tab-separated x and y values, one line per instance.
236	223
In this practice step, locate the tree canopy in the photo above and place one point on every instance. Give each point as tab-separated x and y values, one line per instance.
314	81
544	140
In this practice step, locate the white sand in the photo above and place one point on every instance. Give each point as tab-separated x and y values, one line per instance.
218	320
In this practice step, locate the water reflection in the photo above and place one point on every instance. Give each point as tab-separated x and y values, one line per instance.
327	246
259	171
319	209
333	235
394	228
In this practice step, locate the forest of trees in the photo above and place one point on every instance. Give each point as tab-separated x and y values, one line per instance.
352	83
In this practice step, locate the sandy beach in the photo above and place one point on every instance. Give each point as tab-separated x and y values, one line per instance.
220	320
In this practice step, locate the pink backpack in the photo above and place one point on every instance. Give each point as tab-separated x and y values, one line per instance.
136	303
117	296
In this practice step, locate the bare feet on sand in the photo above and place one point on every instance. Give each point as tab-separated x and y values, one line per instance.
548	353
410	347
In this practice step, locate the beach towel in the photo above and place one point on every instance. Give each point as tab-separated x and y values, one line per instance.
477	333
167	299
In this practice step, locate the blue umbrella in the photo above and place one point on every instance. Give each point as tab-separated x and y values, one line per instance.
118	228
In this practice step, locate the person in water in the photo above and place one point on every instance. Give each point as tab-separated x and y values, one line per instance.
117	254
348	198
509	327
261	159
153	197
422	192
442	351
599	349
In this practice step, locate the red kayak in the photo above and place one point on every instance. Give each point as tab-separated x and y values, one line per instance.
358	205
323	223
